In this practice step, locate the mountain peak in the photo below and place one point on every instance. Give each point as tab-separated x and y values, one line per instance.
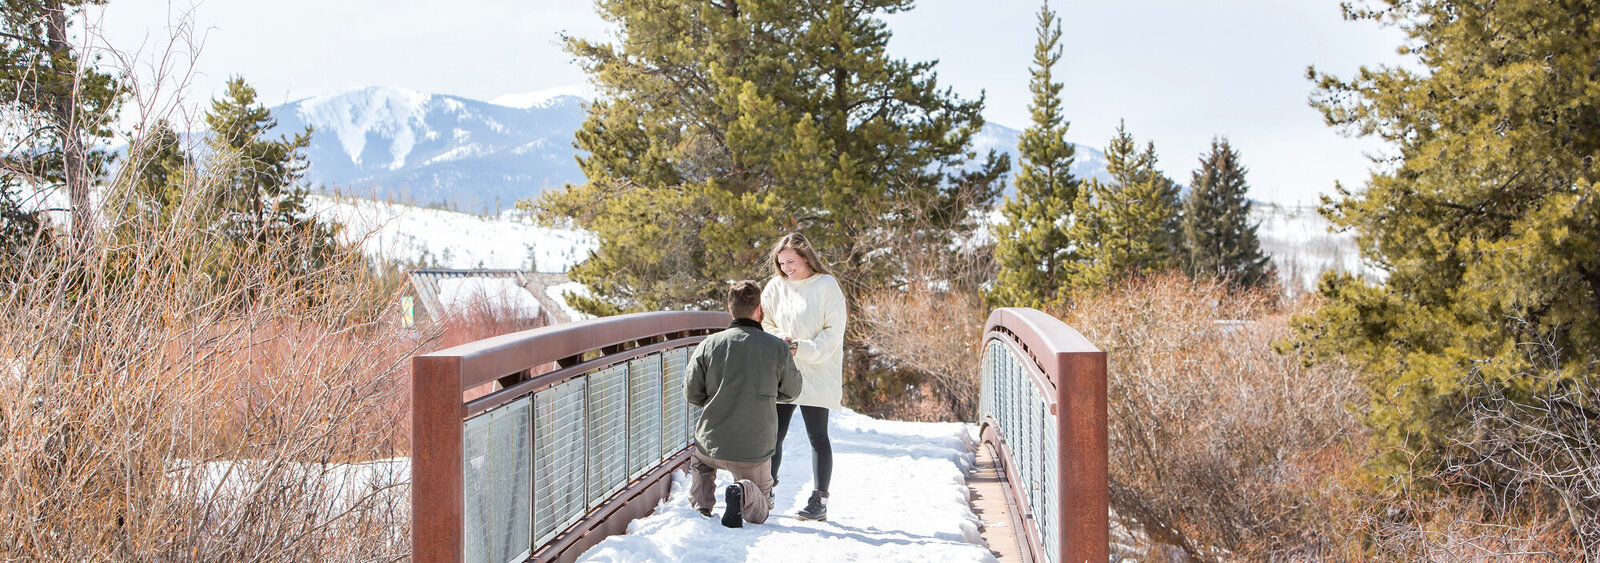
351	114
546	97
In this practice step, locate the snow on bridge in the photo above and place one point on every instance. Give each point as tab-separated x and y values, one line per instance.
899	493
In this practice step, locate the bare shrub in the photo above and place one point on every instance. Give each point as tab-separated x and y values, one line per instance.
152	409
920	331
1219	445
1453	528
935	334
1522	485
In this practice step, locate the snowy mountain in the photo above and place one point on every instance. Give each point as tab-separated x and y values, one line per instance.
476	155
1087	162
437	149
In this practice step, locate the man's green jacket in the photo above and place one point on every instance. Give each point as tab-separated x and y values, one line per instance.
739	375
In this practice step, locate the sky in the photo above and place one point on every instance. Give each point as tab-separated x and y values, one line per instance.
1177	72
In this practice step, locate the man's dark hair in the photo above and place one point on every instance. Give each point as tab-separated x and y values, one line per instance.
743	298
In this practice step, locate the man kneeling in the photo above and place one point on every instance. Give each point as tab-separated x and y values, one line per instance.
738	375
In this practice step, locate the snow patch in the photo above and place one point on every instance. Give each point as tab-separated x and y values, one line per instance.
449	239
558	293
1303	245
458	153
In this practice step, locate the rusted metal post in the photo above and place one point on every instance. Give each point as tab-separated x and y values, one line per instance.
1084	473
1073	385
436	440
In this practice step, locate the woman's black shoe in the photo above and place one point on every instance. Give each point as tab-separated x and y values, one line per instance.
816	508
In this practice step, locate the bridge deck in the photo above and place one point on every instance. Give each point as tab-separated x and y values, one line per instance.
1002	522
899	493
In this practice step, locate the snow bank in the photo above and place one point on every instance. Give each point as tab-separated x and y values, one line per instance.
558	293
899	493
343	485
449	239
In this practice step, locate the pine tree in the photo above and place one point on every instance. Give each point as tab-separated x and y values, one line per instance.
727	124
1032	247
61	103
159	172
18	225
261	198
262	191
1487	228
1123	227
1218	236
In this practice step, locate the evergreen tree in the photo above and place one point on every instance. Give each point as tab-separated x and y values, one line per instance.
18	225
161	163
260	198
261	192
1170	195
1218	236
1487	226
61	105
159	172
726	124
1123	227
1032	247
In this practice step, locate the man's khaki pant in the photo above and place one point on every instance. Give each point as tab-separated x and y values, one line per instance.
754	477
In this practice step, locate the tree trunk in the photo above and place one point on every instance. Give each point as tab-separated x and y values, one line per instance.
64	114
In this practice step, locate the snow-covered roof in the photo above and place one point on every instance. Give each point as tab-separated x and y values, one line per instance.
463	293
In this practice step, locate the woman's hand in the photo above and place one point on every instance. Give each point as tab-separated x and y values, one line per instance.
793	346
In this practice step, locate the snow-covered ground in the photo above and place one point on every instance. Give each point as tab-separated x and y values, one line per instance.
343	482
1301	245
899	493
450	239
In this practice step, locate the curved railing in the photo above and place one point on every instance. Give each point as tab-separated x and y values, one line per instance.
576	432
1042	405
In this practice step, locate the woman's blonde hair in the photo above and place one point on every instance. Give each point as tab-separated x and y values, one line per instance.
801	246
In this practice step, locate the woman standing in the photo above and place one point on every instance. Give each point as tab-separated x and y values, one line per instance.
804	305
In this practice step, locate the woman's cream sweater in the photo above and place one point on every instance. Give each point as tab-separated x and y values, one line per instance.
812	312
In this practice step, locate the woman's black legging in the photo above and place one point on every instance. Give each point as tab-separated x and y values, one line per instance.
817	429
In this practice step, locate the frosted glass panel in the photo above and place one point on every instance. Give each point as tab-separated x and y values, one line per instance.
607	432
644	414
497	483
674	407
558	458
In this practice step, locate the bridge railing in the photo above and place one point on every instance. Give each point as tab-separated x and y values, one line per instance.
1042	405
540	443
